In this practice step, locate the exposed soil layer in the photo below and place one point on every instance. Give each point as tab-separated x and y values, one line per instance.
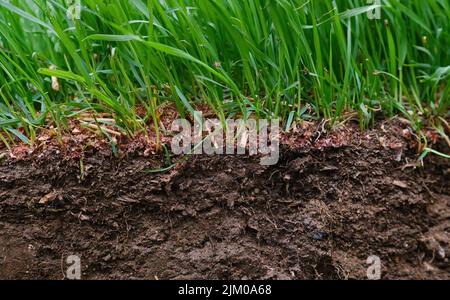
318	214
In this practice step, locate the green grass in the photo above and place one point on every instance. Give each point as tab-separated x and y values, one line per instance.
292	59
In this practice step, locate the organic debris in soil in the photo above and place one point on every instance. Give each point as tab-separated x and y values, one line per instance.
80	140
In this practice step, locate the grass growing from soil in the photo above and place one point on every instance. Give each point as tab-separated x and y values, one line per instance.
289	59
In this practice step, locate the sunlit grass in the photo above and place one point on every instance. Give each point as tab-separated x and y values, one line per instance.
292	59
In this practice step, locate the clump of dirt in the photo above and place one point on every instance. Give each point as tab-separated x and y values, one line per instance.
332	201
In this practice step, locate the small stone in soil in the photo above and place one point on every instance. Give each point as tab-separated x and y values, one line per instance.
319	235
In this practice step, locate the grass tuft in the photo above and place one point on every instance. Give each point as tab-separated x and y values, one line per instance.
287	59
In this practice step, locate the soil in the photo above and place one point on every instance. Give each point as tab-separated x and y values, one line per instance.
332	201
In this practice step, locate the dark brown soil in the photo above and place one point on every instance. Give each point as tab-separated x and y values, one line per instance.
318	214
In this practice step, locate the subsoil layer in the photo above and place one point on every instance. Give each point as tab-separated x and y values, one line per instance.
318	214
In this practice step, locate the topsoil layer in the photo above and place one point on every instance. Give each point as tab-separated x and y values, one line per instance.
318	214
